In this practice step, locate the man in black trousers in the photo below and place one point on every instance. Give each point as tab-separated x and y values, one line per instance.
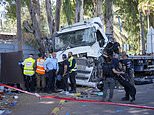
128	79
72	72
65	73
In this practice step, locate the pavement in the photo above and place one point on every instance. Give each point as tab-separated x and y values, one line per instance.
30	105
145	96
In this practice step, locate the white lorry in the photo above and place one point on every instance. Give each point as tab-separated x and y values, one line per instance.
86	40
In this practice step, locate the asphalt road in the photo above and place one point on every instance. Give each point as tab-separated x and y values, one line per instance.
29	105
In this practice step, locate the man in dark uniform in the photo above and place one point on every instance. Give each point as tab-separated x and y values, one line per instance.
127	66
65	73
115	61
109	72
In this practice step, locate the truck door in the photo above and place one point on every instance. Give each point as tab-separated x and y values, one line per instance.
100	38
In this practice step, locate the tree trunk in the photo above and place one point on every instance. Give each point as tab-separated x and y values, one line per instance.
38	12
79	11
33	14
109	19
95	7
35	22
100	11
57	15
68	11
19	30
49	15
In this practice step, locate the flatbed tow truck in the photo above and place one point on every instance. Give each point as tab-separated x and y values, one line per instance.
143	65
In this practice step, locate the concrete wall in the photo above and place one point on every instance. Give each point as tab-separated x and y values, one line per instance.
6	47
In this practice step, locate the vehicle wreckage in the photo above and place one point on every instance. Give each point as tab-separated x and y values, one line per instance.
86	40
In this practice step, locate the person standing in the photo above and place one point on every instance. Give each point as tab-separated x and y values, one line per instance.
65	73
115	61
109	72
72	72
40	76
29	73
128	68
51	67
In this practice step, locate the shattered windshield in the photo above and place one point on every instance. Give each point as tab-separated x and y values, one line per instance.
76	38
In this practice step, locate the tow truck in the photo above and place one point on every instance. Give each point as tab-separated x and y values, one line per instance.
143	65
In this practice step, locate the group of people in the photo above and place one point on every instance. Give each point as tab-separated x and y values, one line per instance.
42	74
121	71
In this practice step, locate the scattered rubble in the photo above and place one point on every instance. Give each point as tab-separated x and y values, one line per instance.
8	99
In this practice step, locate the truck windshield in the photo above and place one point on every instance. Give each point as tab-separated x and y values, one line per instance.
76	38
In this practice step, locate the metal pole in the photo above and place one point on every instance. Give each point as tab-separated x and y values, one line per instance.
148	20
142	34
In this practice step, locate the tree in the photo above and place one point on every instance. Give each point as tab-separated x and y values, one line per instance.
98	10
88	6
34	10
68	11
49	15
109	18
19	30
79	10
35	18
128	12
57	15
147	6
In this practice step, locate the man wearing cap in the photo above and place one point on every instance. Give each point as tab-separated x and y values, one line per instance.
51	67
29	73
65	73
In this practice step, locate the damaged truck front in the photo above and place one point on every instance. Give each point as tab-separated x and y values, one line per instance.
86	41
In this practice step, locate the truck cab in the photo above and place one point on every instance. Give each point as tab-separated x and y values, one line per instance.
86	41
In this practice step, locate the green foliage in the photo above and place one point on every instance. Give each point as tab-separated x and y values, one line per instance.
11	8
88	8
128	11
68	10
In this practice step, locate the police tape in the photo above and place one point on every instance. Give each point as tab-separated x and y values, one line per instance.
17	89
80	100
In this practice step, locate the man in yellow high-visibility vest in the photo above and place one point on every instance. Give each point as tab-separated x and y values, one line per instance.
29	73
72	72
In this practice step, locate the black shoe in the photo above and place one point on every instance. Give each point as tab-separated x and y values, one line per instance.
132	100
125	99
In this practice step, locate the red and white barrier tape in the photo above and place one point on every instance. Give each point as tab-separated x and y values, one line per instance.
80	100
34	94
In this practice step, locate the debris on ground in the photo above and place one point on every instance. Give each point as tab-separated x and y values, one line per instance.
8	99
143	81
83	93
